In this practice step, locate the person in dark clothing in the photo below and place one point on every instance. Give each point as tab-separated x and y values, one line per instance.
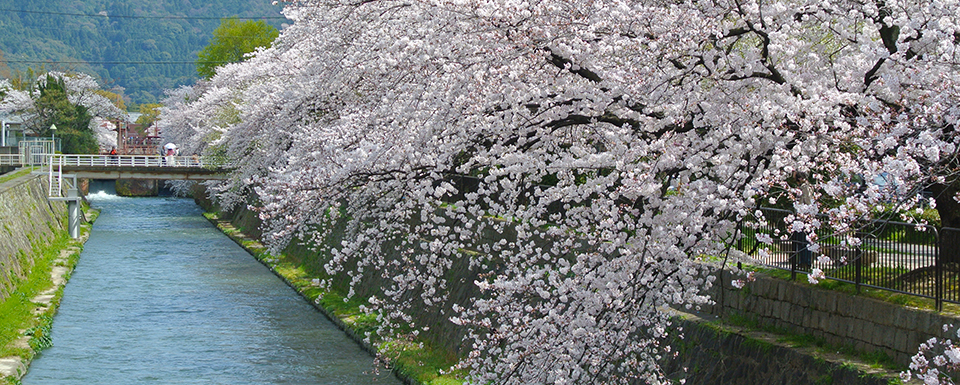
800	243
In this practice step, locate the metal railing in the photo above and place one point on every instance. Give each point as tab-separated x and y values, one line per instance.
36	152
128	161
889	255
55	175
10	160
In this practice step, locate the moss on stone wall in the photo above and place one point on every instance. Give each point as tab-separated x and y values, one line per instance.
29	219
137	188
712	354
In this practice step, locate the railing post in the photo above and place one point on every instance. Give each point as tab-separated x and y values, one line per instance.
858	273
60	176
939	271
793	263
50	178
795	250
858	266
739	225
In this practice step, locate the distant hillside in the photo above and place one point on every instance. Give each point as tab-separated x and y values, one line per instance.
144	46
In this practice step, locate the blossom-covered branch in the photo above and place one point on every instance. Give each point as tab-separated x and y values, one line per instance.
578	156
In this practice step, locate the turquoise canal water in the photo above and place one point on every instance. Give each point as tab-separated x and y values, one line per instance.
161	297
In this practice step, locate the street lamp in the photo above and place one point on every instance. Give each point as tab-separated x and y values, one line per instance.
53	135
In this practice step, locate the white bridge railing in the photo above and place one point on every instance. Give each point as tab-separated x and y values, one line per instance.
10	160
59	182
128	161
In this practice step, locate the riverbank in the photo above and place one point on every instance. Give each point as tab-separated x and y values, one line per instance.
713	349
414	362
38	257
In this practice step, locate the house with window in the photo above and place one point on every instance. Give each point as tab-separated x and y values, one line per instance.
11	131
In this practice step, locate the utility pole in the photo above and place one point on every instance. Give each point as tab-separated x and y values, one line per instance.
120	148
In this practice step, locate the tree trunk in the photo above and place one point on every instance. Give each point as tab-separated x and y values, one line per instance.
949	210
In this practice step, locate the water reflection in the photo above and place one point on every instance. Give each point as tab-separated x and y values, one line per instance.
160	296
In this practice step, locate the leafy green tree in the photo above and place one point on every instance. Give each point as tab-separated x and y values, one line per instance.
52	107
115	98
148	113
231	41
4	68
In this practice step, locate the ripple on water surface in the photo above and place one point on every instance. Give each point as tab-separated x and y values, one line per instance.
161	297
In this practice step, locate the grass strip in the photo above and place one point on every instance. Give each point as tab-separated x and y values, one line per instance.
18	315
888	296
16	174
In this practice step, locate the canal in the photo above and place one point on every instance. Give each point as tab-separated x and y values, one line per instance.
160	296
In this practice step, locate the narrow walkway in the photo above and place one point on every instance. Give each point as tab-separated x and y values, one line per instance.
16	367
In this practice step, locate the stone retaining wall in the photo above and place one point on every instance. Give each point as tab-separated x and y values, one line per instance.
137	188
866	324
706	356
27	219
710	355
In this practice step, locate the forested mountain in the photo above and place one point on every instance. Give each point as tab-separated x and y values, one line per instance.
143	46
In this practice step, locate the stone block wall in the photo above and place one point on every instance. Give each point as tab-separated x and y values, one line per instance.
840	319
137	188
27	219
708	355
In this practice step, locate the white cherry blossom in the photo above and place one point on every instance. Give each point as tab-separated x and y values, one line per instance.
578	156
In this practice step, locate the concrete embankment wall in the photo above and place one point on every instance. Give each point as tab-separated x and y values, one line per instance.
865	324
707	355
27	220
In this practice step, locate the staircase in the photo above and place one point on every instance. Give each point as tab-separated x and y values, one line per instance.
64	188
55	181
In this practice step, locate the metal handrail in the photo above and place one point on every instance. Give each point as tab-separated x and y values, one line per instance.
10	160
129	161
887	245
55	177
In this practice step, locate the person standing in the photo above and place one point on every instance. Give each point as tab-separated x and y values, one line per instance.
801	244
170	153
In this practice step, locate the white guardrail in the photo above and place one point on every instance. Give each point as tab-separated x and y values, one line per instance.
10	160
127	161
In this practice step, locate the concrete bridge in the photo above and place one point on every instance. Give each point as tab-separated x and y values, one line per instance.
63	170
137	167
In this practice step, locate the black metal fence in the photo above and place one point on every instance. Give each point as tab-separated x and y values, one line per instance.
895	256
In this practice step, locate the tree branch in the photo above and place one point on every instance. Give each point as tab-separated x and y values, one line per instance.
566	64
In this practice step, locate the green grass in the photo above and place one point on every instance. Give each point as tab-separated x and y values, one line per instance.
16	312
421	362
16	174
799	340
851	289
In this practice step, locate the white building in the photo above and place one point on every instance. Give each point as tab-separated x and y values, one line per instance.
11	130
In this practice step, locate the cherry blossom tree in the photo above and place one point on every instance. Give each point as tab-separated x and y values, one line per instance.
936	360
580	156
12	99
106	133
75	95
